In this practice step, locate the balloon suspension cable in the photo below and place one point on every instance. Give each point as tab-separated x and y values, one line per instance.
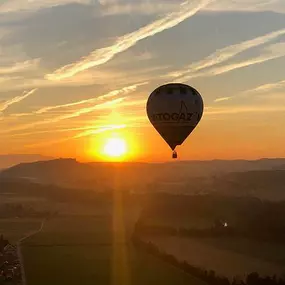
174	154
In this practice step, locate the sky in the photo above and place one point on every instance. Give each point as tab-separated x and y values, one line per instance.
75	73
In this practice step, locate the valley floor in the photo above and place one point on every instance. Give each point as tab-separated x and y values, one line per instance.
94	250
226	256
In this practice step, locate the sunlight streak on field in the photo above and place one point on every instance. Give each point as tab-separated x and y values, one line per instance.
120	270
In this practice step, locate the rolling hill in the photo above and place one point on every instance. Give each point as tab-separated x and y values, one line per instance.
9	160
261	178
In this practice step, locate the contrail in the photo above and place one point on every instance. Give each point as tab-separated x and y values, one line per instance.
82	134
11	6
15	100
86	110
77	113
238	110
99	130
266	87
108	95
260	89
221	99
53	131
227	53
123	43
271	53
20	66
102	120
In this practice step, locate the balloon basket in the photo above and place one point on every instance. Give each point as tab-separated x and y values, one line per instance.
174	155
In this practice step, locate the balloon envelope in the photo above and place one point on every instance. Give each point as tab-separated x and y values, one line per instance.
175	110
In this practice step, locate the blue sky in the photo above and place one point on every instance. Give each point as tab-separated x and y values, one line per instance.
73	70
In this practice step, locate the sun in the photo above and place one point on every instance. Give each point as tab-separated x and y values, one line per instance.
115	147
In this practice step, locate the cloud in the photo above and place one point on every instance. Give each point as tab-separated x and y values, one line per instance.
247	5
20	66
5	79
86	78
16	66
11	6
4	32
239	110
81	111
108	104
98	130
54	130
272	52
17	99
114	7
138	7
38	80
123	43
101	121
226	53
124	90
267	87
221	99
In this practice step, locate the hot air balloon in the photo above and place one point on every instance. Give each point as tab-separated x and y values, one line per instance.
175	110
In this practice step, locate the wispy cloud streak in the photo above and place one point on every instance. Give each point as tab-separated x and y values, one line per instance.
248	5
111	94
238	110
99	130
138	7
272	52
103	55
15	100
12	6
81	111
221	99
20	66
224	54
86	110
266	87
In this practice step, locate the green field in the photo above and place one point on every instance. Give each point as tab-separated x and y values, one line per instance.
90	250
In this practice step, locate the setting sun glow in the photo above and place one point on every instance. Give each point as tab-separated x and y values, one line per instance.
115	147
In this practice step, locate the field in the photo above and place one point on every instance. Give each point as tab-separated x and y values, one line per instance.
178	221
15	228
94	250
228	257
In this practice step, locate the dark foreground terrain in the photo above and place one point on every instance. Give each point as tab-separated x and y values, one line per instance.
228	225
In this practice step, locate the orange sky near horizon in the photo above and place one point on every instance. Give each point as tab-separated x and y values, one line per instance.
213	139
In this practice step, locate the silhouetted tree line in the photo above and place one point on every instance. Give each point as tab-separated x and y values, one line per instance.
242	214
208	276
214	231
273	235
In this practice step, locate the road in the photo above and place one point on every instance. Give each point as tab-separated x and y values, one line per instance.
19	252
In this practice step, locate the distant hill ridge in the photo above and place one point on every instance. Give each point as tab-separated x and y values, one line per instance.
9	160
69	172
263	178
62	172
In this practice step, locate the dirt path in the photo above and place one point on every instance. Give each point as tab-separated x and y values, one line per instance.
19	252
